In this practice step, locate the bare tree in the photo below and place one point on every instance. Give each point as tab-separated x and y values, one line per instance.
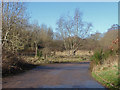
14	22
72	30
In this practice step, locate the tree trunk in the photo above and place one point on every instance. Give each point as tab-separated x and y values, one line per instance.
68	52
74	52
36	49
45	57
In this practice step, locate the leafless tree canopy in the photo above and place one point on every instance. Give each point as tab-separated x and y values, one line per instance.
14	23
72	30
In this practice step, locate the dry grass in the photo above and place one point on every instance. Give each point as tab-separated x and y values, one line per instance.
61	57
111	62
66	56
79	53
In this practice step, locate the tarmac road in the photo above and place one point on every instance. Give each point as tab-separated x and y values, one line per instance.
65	75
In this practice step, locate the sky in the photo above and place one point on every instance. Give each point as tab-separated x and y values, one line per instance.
101	14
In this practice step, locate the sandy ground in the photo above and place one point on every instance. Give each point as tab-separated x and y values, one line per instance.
69	75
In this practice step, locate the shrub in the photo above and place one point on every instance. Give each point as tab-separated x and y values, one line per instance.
13	64
97	57
46	52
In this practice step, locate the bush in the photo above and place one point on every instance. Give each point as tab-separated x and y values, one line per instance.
100	55
97	57
46	52
13	64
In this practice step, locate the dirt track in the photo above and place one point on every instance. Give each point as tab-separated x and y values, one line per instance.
54	76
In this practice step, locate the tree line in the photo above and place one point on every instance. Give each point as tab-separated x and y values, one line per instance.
18	34
72	33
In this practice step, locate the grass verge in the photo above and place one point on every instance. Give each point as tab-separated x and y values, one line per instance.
108	77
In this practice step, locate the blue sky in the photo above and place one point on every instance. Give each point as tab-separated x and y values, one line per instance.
101	14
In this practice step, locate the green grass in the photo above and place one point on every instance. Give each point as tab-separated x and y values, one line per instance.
106	73
110	75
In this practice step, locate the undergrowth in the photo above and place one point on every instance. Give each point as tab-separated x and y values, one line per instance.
104	67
